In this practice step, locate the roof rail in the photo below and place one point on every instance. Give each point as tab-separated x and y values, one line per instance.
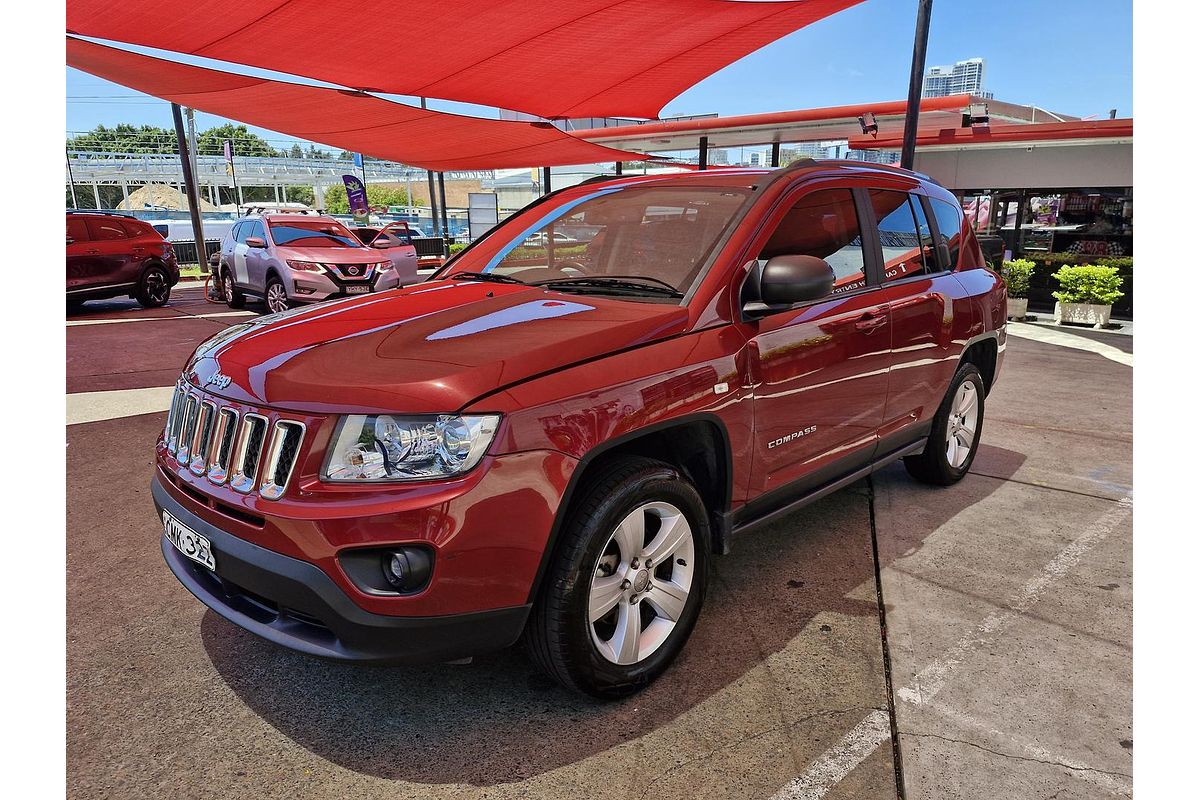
101	211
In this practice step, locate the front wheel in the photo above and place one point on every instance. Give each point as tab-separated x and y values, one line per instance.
954	438
154	290
233	297
627	582
276	296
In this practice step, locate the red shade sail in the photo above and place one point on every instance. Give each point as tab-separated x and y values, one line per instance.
554	58
342	118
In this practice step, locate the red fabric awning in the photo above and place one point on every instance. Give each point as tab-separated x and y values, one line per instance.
1001	134
554	58
342	118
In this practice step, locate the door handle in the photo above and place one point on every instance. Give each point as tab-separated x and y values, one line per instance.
92	252
870	321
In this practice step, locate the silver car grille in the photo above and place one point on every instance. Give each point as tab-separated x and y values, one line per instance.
244	450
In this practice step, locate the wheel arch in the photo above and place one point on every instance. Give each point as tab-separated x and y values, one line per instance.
697	445
983	351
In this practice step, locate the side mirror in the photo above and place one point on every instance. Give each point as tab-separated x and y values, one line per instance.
256	241
784	281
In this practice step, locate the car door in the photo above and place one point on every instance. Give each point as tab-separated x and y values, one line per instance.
256	258
81	261
109	249
921	292
819	369
237	256
396	242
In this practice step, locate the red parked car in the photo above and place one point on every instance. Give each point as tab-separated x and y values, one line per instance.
552	442
110	255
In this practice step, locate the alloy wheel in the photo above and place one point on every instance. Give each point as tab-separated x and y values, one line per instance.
641	582
276	298
962	425
227	283
157	289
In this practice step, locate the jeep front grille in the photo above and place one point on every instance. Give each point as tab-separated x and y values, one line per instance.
244	450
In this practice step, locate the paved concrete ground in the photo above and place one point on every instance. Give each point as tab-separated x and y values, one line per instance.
1007	606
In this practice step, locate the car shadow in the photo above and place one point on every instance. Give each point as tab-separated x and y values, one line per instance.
498	720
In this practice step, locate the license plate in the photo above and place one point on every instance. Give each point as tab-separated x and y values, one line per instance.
188	542
358	289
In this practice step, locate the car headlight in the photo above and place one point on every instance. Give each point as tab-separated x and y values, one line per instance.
305	266
385	447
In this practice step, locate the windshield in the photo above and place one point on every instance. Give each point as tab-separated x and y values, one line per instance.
659	236
313	233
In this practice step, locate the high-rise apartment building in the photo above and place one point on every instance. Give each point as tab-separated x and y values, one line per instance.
963	77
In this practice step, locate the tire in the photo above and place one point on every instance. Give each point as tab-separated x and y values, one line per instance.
233	296
938	464
74	306
275	296
154	289
600	559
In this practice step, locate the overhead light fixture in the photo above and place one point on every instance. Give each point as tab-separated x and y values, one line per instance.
868	123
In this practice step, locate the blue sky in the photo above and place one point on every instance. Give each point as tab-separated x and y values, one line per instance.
1073	57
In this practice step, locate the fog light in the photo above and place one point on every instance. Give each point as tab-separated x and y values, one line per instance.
407	569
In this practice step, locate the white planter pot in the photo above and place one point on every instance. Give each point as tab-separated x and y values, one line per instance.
1017	306
1082	314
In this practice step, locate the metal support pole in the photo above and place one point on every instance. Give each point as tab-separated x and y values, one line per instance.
445	213
125	194
433	215
96	194
617	171
774	154
71	178
912	111
703	152
546	181
189	181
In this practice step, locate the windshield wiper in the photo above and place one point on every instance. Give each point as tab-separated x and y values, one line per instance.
486	276
625	283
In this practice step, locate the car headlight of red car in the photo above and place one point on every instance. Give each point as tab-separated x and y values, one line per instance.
407	448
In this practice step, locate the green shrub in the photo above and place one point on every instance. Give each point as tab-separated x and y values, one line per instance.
457	247
1124	264
1016	275
1089	284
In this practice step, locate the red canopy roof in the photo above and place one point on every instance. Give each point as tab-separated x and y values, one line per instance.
342	118
554	58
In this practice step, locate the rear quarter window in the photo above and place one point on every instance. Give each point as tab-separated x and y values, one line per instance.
104	229
949	222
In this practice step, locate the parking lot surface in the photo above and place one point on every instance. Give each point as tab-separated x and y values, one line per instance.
999	660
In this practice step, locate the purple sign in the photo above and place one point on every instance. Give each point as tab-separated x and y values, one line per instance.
356	193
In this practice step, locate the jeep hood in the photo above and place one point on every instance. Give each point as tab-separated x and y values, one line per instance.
429	348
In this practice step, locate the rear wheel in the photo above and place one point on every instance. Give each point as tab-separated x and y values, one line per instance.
154	289
627	583
233	297
276	296
957	427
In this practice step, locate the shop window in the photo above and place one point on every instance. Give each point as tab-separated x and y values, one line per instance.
905	240
823	224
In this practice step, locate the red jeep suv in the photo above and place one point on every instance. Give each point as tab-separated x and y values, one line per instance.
109	255
551	441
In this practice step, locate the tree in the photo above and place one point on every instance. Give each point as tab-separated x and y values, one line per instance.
212	141
300	194
314	152
337	203
296	151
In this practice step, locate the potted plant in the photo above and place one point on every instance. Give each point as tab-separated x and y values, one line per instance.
1016	274
1087	294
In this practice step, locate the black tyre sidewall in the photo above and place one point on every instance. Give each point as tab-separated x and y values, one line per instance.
233	298
590	669
936	449
143	296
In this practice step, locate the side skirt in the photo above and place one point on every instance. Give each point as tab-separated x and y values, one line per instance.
740	522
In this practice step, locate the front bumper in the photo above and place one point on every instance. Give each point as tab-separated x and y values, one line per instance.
317	286
296	605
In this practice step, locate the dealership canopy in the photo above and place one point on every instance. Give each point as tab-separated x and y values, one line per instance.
553	58
344	118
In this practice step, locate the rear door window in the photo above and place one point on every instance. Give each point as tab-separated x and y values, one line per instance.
106	229
900	234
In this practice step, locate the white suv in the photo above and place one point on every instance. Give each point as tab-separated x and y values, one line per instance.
288	259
